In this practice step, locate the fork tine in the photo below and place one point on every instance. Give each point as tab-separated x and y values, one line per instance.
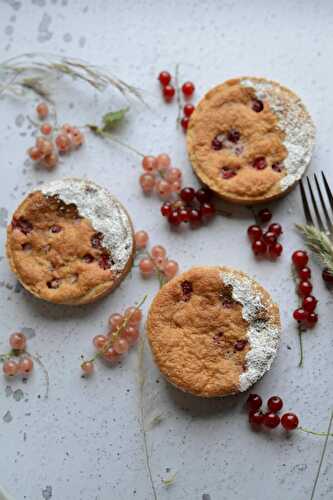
328	191
320	222
306	208
328	220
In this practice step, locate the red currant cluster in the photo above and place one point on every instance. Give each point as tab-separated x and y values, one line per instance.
169	91
124	331
49	145
160	176
193	206
155	261
11	366
305	314
270	419
265	242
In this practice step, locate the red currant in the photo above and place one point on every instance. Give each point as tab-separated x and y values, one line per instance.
187	194
174	218
304	288
168	92
203	195
289	421
259	247
269	237
312	319
207	209
275	250
275	404
271	420
254	402
188	89
256	417
275	228
164	77
254	232
184	215
195	215
327	275
299	314
265	215
257	105
184	123
166	209
188	109
300	258
304	273
310	303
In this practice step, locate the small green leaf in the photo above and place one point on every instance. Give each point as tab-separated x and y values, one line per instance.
112	118
169	482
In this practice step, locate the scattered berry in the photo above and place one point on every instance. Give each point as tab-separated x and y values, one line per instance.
254	232
271	420
259	247
254	402
300	314
42	110
304	273
300	258
188	109
141	239
265	215
168	92
18	341
274	404
310	303
256	417
184	123
327	276
10	368
289	421
188	89
25	366
305	288
164	78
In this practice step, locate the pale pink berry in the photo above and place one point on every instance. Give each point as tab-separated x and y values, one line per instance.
131	334
63	143
176	186
67	128
18	341
147	182
46	128
99	341
141	239
10	368
111	355
158	251
163	161
115	321
77	137
42	110
120	345
163	188
172	175
146	266
35	153
50	161
87	367
46	147
170	268
134	315
160	262
26	366
149	163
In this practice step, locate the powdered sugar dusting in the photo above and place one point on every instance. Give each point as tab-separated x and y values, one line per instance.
263	336
103	211
295	122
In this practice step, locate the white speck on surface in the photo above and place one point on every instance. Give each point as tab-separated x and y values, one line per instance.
104	212
294	121
263	336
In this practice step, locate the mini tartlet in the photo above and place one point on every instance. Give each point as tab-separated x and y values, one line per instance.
250	140
213	331
70	242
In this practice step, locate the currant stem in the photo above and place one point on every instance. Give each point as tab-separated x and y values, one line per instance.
308	431
322	456
300	337
98	131
179	102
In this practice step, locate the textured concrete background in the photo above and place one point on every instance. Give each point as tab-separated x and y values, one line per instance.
84	442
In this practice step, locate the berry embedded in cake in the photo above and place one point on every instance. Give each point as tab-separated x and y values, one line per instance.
250	140
213	331
70	242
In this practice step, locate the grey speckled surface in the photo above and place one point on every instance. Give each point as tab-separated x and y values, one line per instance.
84	442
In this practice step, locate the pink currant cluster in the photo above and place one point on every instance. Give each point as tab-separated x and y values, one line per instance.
169	91
124	332
265	242
155	261
193	206
270	418
160	176
48	146
305	314
24	364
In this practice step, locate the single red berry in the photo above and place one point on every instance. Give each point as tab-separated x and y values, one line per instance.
271	420
310	303
257	105
327	276
233	135
269	237
275	250
187	194
305	288
300	258
166	209
256	417
184	215
203	195
228	172
304	273
259	247
254	402
275	228
259	163
289	421
275	404
299	314
168	92
184	123
195	215
188	89
164	78
188	109
217	144
265	215
207	209
254	232
174	218
312	319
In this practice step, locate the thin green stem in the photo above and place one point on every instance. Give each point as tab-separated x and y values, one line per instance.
178	95
300	338
308	431
97	131
322	457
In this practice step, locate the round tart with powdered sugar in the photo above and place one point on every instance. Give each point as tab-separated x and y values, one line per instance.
213	331
250	140
70	242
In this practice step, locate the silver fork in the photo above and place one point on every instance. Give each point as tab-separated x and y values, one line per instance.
326	227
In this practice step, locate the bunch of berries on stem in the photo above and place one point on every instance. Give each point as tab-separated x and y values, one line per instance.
17	361
160	176
265	243
192	206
